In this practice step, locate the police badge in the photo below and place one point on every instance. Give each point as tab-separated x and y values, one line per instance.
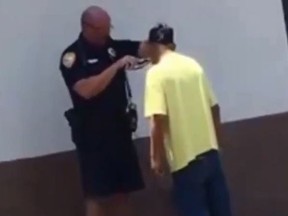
111	52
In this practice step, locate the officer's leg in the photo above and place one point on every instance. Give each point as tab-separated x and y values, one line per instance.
114	205
120	206
95	207
218	195
96	181
126	174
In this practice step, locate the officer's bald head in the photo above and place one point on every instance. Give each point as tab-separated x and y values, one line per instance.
95	14
96	24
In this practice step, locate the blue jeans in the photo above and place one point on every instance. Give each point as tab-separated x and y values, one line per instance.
200	188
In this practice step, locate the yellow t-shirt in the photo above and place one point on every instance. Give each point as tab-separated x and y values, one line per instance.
177	87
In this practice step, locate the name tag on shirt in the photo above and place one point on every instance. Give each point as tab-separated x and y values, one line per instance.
92	61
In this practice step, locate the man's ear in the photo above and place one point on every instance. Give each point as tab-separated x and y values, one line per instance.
172	46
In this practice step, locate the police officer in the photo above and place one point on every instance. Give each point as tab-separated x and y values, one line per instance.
93	69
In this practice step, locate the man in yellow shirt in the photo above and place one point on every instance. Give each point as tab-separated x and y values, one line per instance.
184	120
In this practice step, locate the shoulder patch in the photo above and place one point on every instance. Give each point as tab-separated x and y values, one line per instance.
69	59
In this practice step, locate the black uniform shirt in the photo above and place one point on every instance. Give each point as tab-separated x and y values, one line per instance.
83	60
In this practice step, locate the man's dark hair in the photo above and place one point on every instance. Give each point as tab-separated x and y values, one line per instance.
162	34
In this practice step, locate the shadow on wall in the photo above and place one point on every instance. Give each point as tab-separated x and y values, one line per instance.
254	154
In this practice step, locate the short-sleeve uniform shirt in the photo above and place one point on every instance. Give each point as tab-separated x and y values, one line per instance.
82	60
178	88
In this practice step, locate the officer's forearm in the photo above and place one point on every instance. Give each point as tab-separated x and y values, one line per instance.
92	86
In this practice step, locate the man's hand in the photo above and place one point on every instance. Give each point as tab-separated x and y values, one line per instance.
158	165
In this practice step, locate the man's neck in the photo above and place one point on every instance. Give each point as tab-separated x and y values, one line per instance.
165	52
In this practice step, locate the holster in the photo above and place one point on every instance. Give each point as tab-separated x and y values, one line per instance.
76	123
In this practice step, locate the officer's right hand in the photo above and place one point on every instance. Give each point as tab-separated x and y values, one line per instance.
127	62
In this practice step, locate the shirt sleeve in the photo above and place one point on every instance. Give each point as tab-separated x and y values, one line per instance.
72	70
212	100
130	47
155	102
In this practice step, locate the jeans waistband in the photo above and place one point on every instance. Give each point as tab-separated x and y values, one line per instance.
206	154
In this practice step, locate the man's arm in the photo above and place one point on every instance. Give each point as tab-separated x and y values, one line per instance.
156	111
157	125
215	108
217	121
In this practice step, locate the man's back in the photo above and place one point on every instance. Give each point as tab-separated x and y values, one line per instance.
188	100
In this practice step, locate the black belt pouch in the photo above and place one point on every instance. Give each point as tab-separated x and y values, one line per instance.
76	123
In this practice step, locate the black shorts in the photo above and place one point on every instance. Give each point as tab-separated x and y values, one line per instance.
109	165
